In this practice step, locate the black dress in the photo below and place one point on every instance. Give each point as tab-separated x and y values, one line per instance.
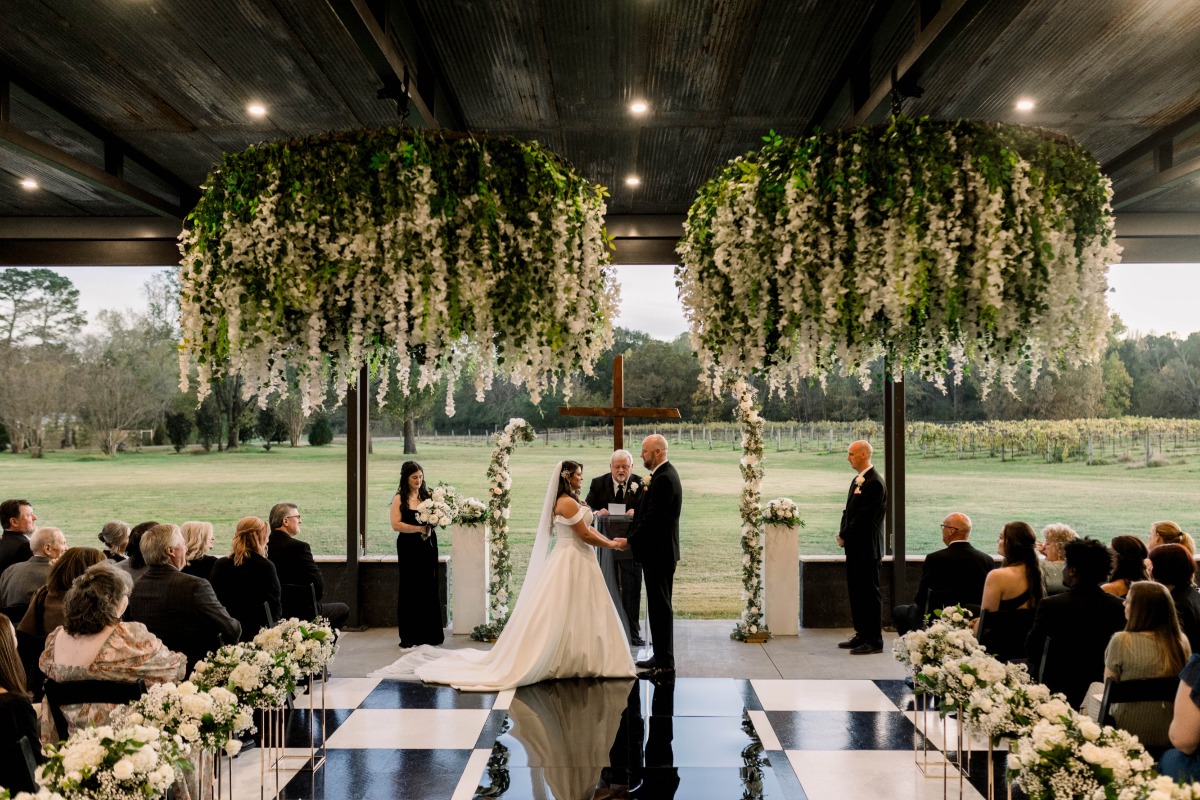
17	719
418	608
243	589
201	567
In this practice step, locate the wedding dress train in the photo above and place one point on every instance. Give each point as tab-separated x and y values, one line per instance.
563	626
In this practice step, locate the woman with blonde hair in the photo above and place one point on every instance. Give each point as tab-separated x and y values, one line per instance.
198	536
1055	537
1167	532
1151	646
245	579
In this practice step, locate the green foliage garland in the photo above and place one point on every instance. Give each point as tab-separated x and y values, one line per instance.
418	249
986	244
747	412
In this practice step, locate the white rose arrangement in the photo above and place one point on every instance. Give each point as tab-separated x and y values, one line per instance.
131	762
782	511
470	511
202	719
311	644
258	677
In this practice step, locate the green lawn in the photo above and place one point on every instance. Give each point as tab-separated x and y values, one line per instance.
79	492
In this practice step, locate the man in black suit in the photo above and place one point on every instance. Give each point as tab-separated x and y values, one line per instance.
180	609
654	538
1079	622
293	560
861	534
19	524
620	485
955	574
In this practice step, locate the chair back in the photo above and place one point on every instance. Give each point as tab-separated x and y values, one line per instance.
1139	691
70	693
29	648
15	612
1044	663
1003	633
937	599
299	600
268	616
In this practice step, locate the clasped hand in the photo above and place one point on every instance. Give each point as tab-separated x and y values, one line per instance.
620	544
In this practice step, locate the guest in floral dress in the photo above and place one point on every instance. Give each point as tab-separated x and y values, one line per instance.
94	644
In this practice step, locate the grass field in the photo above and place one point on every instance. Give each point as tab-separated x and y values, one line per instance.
78	492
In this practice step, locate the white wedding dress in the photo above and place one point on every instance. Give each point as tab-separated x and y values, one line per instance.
563	626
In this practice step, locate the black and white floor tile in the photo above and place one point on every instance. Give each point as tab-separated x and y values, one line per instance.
693	738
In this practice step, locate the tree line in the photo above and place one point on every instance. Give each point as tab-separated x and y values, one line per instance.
62	387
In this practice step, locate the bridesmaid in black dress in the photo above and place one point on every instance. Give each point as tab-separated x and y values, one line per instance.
418	609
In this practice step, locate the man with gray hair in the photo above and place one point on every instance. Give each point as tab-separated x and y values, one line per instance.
621	486
20	581
180	609
951	576
296	568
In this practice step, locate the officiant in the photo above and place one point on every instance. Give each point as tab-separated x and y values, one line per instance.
613	497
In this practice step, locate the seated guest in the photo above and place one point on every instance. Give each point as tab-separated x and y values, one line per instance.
1151	646
956	573
1080	622
1182	762
1017	583
94	644
1167	532
245	579
20	581
182	610
19	523
294	562
135	566
46	611
115	535
1173	566
1129	565
199	538
1054	537
17	718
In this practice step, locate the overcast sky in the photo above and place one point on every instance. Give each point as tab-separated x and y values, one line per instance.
1160	298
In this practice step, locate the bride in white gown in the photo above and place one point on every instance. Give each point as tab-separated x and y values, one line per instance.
564	624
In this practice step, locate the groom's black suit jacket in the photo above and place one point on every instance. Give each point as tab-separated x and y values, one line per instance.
654	535
862	521
601	492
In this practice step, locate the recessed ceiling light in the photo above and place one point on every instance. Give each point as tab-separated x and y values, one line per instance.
29	183
256	110
639	107
633	180
1024	104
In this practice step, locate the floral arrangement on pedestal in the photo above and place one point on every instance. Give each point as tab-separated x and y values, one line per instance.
921	241
311	644
412	251
202	719
470	511
258	677
782	511
750	625
500	574
133	762
1072	756
947	638
1004	709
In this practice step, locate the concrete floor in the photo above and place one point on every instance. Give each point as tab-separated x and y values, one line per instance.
703	649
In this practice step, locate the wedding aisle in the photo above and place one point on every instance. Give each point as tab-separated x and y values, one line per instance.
769	733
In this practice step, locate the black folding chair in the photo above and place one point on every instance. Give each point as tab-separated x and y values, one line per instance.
69	693
299	600
1003	633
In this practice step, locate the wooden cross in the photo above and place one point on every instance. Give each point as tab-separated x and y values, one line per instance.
618	412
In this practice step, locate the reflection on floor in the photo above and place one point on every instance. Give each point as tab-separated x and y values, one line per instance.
692	738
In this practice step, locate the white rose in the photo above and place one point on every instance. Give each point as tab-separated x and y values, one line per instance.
233	747
968	680
187	687
189	731
1091	753
123	769
1089	729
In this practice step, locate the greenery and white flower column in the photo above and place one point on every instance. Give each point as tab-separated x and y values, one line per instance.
751	625
926	242
410	251
500	580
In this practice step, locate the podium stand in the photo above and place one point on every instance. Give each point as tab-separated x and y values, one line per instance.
469	560
781	580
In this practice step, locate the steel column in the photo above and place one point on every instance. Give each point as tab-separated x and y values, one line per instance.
357	438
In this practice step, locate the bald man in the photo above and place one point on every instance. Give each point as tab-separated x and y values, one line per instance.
954	575
654	540
861	535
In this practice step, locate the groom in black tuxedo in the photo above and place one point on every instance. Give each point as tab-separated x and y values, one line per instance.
621	485
654	539
861	534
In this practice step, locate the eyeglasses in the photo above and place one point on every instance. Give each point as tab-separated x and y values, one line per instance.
950	528
292	516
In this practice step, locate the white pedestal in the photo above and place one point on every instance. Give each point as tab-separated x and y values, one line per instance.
781	580
469	560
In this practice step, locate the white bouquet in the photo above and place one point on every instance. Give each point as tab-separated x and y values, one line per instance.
133	762
1010	707
205	720
782	511
310	644
434	512
925	651
258	677
1072	756
470	511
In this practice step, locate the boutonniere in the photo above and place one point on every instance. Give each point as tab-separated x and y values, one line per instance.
647	481
633	486
858	482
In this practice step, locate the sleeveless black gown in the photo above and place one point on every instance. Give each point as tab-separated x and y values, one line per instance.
418	608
